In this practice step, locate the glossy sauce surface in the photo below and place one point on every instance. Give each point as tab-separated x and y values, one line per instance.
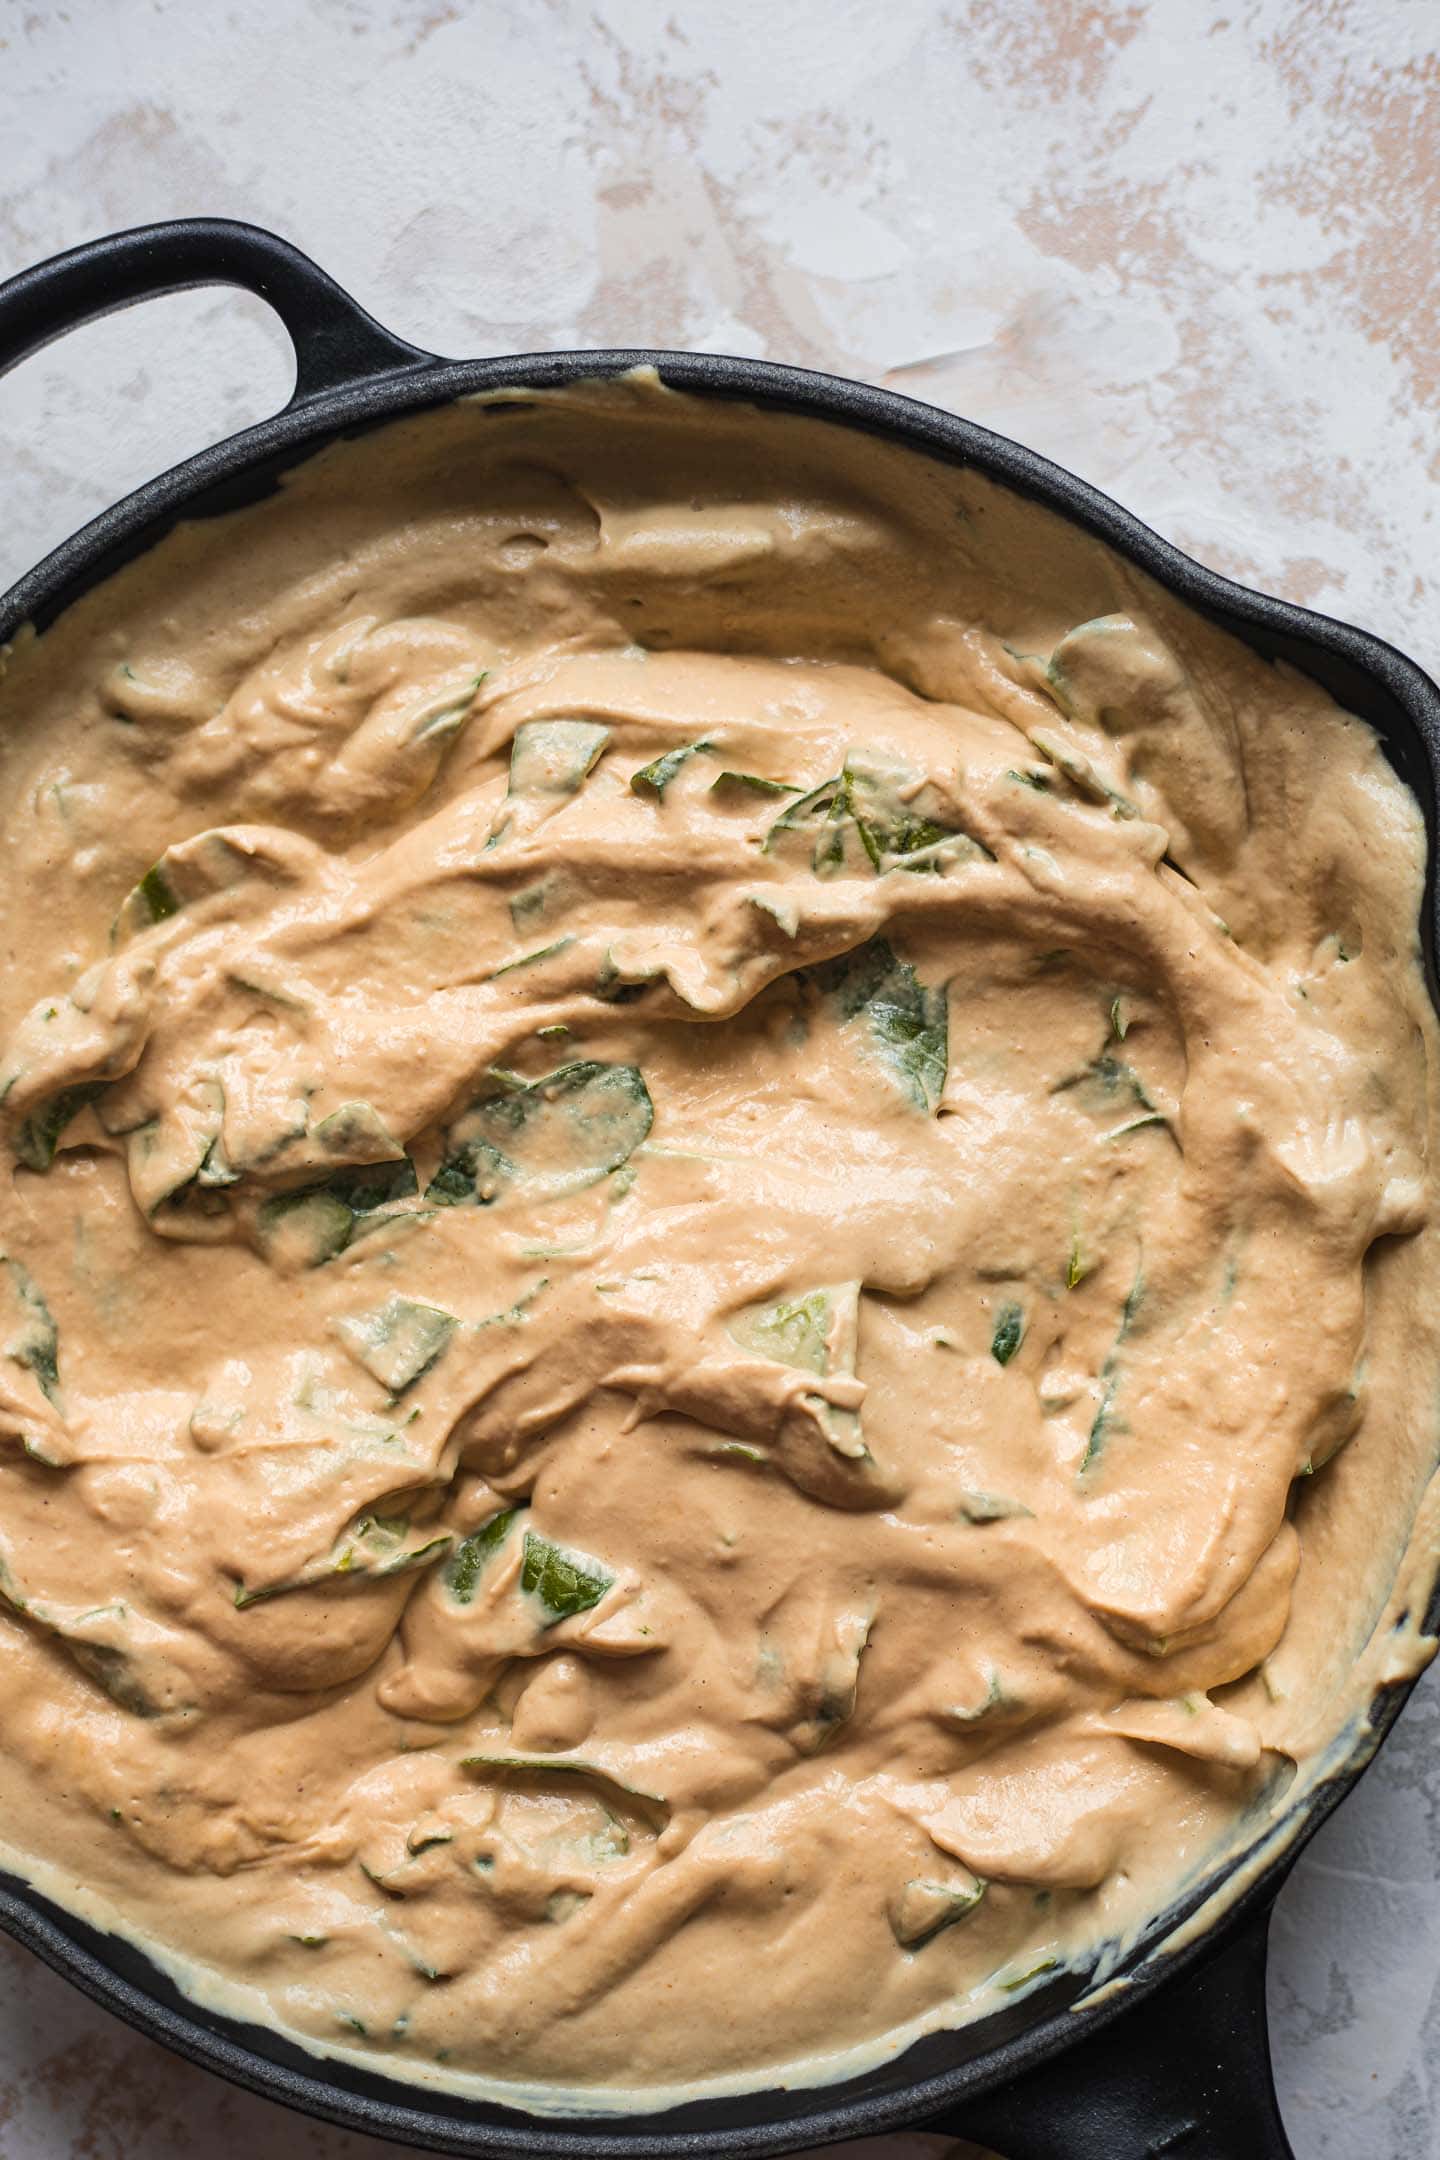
719	1244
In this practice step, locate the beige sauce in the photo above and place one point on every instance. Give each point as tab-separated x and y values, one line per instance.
732	1336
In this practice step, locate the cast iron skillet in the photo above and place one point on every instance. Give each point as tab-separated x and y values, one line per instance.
1175	2062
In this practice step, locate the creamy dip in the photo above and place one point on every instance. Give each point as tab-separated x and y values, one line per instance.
718	1298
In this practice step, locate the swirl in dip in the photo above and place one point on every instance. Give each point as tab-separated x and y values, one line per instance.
718	1306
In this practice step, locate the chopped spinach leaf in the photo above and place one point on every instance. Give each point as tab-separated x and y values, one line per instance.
924	1908
367	1187
612	986
542	1770
304	1229
747	783
426	1836
983	1507
399	1343
565	1583
830	1701
472	1555
908	1023
307	1227
578	1124
995	1698
38	1137
374	1549
529	959
793	1332
1104	1083
193	869
654	778
1140	1124
1110	1371
1009	1333
867	814
555	757
1099	1424
447	719
535	904
357	1133
156	896
30	1336
816	1333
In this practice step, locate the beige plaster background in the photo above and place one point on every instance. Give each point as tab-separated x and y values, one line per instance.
1190	250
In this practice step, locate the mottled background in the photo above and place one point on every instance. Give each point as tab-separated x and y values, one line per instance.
1189	249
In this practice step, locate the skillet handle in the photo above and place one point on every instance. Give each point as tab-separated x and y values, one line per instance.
1184	2073
336	342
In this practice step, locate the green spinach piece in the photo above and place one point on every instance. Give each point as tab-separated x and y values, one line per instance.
555	757
793	1331
749	783
983	1507
816	1333
39	1135
158	895
1106	1082
1009	1333
867	813
924	1908
304	1229
189	870
31	1338
307	1227
654	778
1110	1372
557	1134
374	1549
367	1187
467	1563
357	1133
400	1342
531	959
542	1770
565	1583
447	718
908	1022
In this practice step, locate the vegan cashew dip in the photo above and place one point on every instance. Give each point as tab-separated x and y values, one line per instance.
718	1291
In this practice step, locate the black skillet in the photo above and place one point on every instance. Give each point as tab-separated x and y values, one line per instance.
1176	2061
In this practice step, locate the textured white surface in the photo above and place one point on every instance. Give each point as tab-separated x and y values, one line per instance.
1188	249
